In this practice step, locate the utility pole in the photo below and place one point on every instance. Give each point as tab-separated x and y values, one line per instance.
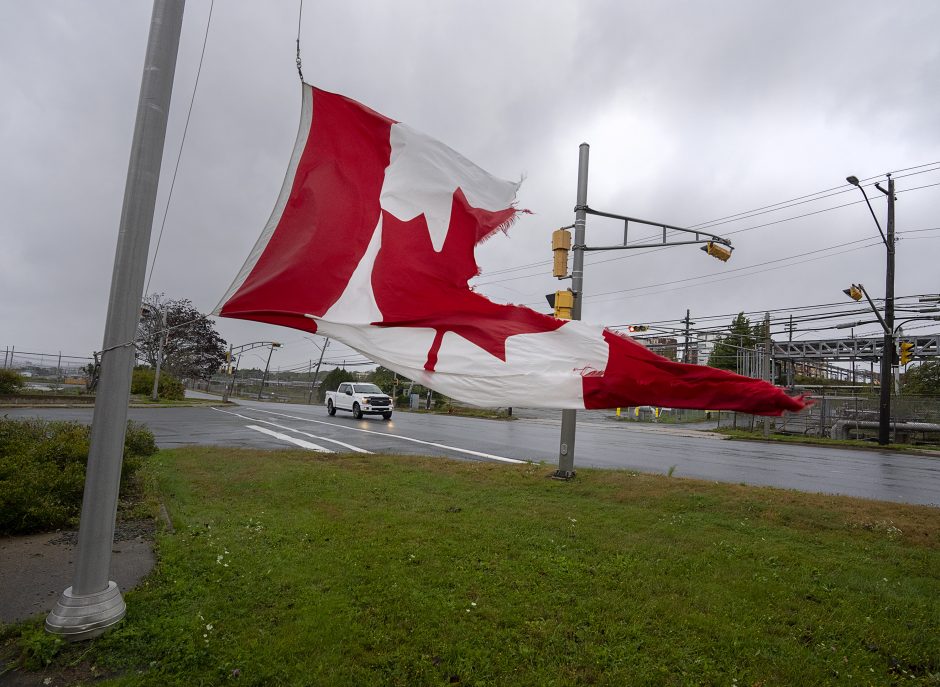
313	383
569	416
155	395
688	322
887	322
790	363
887	358
312	380
228	370
93	602
765	372
265	375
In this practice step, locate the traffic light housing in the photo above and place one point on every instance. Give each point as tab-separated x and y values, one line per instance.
853	292
637	328
561	244
562	303
717	250
906	352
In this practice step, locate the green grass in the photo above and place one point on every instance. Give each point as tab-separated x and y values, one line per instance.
297	568
463	411
758	435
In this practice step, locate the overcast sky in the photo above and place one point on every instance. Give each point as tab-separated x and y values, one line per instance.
694	111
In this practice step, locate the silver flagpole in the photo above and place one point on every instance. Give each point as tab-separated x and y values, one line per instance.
93	602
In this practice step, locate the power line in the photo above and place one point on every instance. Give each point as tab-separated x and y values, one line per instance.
179	155
739	269
835	191
731	233
782	310
720	277
744	215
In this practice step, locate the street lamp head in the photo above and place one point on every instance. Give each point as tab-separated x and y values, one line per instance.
852	180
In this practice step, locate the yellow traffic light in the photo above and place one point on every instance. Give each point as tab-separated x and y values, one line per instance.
561	244
717	250
561	302
853	292
907	352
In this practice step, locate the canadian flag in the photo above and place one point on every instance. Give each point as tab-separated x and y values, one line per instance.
371	242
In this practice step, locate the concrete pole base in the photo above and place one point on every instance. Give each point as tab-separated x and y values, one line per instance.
77	617
566	475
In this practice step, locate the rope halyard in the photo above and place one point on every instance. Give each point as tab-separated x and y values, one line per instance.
300	14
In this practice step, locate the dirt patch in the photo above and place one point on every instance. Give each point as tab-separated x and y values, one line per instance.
36	569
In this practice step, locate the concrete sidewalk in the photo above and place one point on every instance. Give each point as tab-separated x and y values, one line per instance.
36	569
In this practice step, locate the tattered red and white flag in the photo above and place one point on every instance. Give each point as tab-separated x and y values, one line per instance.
371	242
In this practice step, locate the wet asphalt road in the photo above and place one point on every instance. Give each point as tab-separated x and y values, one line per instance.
870	474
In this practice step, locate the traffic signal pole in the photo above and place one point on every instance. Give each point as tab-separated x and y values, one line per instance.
714	245
569	417
887	358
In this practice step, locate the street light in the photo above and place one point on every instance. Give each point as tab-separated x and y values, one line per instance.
236	353
884	405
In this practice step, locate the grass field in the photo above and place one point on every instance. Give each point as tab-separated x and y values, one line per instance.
297	568
758	435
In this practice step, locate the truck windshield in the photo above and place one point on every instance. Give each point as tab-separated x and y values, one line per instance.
367	389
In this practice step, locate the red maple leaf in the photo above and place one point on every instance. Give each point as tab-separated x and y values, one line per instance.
416	286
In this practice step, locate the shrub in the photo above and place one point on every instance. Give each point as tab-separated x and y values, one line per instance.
170	387
138	440
42	471
11	382
333	379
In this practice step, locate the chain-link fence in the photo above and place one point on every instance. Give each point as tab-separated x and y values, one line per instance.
274	390
914	419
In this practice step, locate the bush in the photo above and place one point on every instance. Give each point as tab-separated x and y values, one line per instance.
333	379
42	471
11	382
170	387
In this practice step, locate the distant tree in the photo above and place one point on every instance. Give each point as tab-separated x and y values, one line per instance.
923	380
333	379
383	378
11	381
193	349
741	334
169	389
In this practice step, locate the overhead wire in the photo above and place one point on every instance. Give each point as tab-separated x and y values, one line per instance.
744	215
179	155
784	311
713	279
748	267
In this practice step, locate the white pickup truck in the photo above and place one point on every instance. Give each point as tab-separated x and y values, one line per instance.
359	398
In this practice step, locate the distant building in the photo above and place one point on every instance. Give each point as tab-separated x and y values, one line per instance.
661	345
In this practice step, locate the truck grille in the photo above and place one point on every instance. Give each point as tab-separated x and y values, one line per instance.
379	401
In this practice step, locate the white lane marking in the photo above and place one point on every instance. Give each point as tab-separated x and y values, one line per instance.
284	437
398	436
357	449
